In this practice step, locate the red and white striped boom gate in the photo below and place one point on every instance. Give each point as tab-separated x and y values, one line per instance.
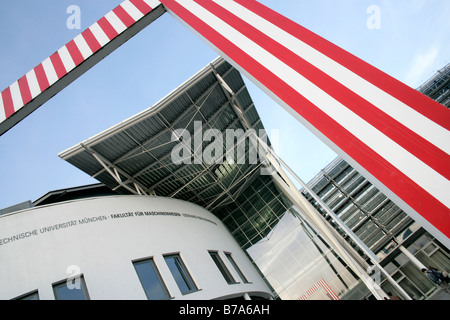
397	137
75	58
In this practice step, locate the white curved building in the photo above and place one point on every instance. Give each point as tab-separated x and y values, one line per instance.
123	247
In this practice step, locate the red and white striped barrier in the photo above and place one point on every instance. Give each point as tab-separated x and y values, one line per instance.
397	135
75	58
322	284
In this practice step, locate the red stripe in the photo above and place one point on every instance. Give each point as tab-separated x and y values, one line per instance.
142	6
41	77
24	90
124	16
7	102
415	144
416	100
430	208
58	65
75	53
92	42
107	28
328	289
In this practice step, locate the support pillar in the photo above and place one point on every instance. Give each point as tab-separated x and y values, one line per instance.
412	258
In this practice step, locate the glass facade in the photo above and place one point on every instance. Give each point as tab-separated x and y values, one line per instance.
372	216
382	226
255	212
250	204
428	252
294	258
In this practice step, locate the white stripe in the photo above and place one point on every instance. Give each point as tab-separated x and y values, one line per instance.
16	96
50	71
2	109
152	3
99	34
132	10
33	83
116	23
82	45
66	59
401	112
416	170
327	288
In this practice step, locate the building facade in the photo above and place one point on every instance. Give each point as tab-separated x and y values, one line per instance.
123	247
401	245
201	229
438	86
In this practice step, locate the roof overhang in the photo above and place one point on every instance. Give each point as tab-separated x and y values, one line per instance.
136	155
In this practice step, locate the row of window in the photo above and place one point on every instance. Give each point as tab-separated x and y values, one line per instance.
150	278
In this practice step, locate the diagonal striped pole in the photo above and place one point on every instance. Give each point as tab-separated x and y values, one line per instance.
397	137
75	58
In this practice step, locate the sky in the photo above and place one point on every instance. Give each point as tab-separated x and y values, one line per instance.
407	39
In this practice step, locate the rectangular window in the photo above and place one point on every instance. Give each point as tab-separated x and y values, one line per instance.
180	274
29	296
222	268
71	289
235	266
151	280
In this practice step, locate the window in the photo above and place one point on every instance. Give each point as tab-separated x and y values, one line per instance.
151	280
180	274
71	289
239	272
29	296
222	268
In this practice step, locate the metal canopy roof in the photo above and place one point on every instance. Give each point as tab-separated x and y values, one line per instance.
135	155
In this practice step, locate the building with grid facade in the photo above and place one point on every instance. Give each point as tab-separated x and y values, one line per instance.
378	222
438	86
382	226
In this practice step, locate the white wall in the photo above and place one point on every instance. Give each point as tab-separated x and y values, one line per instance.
104	249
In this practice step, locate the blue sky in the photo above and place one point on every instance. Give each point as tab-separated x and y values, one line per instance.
411	44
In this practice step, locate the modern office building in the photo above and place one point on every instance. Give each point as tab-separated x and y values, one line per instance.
438	86
401	244
190	206
123	247
220	209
